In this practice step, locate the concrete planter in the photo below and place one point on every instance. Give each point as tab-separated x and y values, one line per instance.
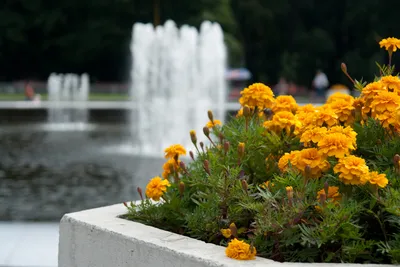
97	237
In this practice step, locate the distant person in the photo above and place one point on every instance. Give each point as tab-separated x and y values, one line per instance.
282	88
320	83
29	92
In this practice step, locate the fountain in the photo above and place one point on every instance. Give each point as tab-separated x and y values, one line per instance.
67	96
177	75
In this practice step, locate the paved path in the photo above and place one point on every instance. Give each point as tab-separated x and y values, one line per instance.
25	244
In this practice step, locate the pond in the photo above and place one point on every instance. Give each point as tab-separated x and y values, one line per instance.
48	171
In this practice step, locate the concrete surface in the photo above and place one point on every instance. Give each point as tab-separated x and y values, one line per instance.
28	244
98	238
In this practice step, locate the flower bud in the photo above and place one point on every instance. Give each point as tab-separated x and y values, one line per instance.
246	111
343	67
245	186
307	171
241	149
125	204
221	137
206	131
206	166
322	198
193	136
191	154
396	160
140	192
326	188
226	147
183	166
202	146
181	188
289	192
210	115
233	229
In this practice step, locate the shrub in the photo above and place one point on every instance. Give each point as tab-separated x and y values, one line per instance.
289	182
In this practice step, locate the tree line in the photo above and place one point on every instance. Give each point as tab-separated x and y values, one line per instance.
286	38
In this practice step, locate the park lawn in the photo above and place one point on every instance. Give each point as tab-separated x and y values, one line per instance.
92	97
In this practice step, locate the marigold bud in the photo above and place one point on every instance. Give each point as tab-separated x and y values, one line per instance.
125	204
241	149
140	192
206	131
343	67
193	136
206	166
183	166
322	198
221	137
289	192
181	188
326	188
202	146
396	160
246	111
210	115
245	186
191	154
233	229
226	147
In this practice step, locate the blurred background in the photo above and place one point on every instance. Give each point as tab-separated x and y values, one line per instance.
69	90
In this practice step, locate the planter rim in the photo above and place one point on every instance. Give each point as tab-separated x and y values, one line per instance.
107	219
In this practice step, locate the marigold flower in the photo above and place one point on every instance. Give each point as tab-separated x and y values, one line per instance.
174	151
378	179
325	115
283	120
312	158
384	105
344	110
156	188
367	94
333	194
239	113
391	83
391	44
257	95
227	233
170	166
213	123
240	250
312	134
347	131
285	103
335	144
267	185
340	96
352	170
291	157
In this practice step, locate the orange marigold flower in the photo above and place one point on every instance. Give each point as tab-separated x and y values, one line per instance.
352	170
240	250
170	166
335	144
391	83
156	188
344	110
285	103
291	157
391	44
257	95
367	94
333	194
239	113
311	157
312	135
340	96
325	116
267	185
213	123
378	179
283	120
174	150
347	131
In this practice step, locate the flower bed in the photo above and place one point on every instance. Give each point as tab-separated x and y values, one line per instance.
291	183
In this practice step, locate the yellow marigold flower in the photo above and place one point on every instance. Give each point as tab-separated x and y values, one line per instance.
285	103
325	116
367	94
312	135
309	108
267	185
352	170
344	110
335	144
174	150
333	194
227	233
240	250
170	165
347	131
156	188
384	102
239	113
257	95
340	96
391	83
291	157
391	44
283	120
311	157
378	179
213	123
